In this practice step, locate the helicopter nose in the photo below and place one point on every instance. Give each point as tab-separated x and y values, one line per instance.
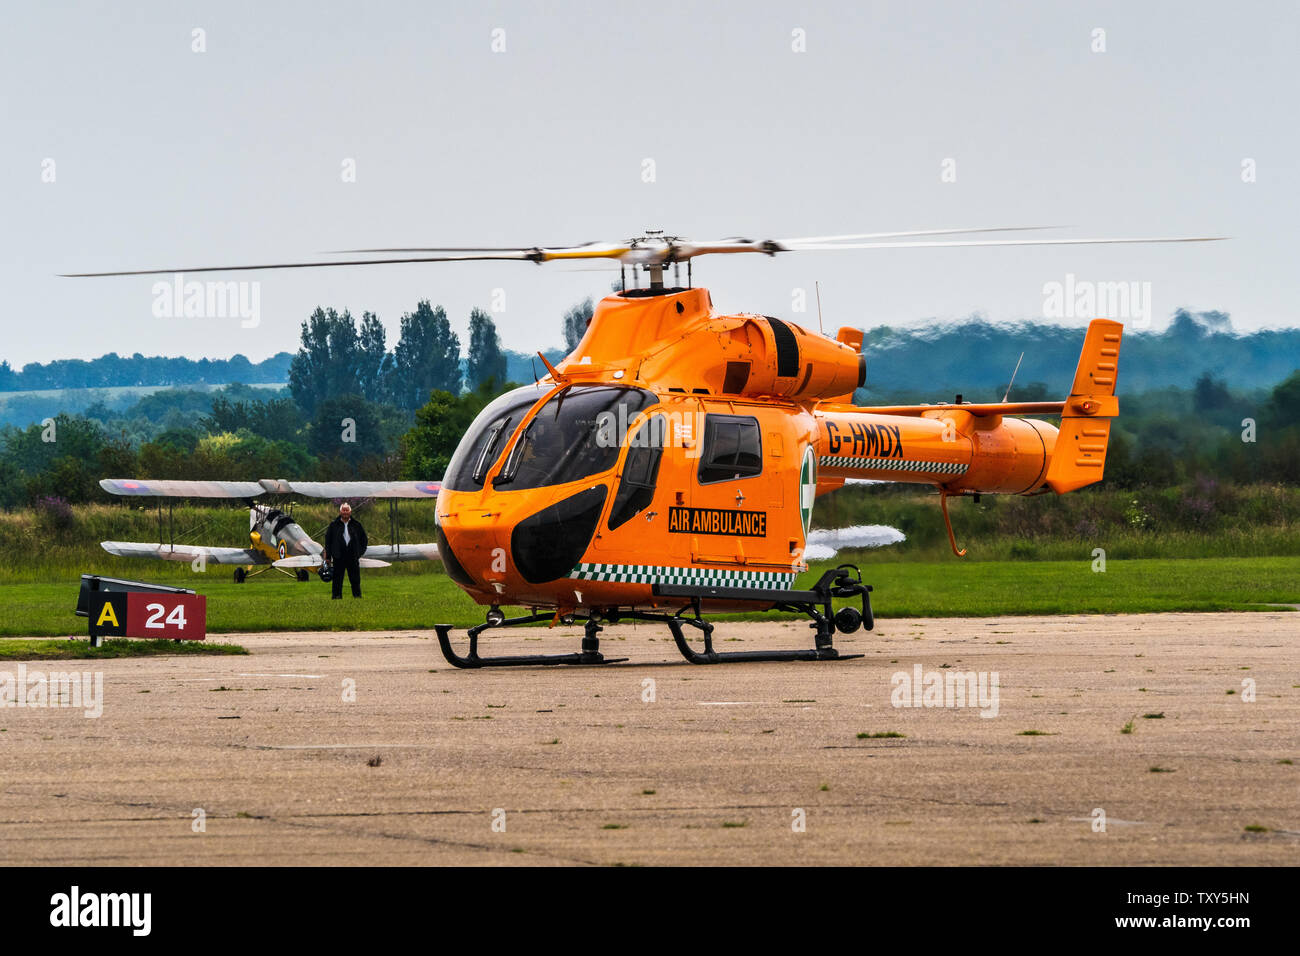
450	561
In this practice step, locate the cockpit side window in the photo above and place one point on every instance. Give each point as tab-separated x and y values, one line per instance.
578	433
636	488
487	436
733	448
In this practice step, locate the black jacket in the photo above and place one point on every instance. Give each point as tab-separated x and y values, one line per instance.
336	550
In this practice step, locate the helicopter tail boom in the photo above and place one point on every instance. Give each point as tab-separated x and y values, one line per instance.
983	448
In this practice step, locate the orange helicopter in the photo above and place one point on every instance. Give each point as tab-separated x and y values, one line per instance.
668	466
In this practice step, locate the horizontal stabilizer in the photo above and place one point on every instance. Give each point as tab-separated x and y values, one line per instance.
978	409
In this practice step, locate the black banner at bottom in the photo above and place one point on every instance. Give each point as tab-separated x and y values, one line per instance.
1223	905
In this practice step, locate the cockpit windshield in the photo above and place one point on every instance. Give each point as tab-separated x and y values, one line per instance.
576	434
487	437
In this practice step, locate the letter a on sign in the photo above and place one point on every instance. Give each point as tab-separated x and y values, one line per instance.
107	614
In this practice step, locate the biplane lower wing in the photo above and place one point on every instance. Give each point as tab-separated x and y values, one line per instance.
377	556
404	552
183	552
315	561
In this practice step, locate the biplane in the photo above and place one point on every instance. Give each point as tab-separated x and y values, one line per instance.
276	540
667	468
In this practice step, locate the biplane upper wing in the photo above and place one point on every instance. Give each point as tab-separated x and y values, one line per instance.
170	488
175	488
183	552
365	489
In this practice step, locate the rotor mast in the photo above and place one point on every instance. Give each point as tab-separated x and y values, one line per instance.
658	250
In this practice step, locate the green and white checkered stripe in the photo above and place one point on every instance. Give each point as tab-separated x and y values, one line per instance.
894	464
657	574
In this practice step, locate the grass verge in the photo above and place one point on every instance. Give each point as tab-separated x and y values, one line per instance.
64	650
950	588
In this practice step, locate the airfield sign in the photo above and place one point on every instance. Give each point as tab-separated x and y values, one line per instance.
176	617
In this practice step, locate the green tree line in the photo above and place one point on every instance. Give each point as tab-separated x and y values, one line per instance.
1205	436
117	371
354	407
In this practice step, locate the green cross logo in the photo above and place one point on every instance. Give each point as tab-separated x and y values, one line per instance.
807	488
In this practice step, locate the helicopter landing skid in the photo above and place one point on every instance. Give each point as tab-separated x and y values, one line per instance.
823	651
590	653
842	582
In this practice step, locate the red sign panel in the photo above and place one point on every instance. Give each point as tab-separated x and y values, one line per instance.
175	617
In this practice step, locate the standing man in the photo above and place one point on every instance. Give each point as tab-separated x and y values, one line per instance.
345	543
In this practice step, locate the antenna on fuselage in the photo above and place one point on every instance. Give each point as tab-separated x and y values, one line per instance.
818	287
1013	376
559	377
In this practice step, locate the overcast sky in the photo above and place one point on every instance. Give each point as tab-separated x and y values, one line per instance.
167	157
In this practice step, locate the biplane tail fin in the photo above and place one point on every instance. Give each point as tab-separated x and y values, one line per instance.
1079	457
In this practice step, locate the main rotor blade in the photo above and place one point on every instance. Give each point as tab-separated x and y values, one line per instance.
712	242
343	252
299	265
818	247
902	235
672	250
526	255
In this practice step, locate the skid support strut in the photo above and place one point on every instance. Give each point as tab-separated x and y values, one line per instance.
841	582
590	653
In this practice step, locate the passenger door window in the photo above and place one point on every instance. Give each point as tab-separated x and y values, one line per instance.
733	448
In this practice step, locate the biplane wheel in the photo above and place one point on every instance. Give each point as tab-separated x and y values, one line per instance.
240	574
303	574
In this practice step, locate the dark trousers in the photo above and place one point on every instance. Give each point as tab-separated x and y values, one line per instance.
353	569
